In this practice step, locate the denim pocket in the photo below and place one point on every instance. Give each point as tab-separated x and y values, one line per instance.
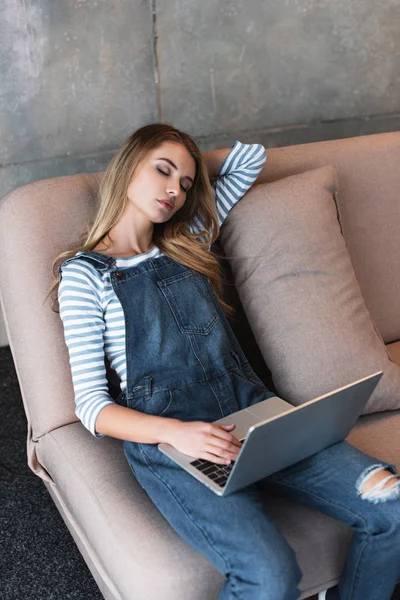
157	404
246	373
254	381
190	300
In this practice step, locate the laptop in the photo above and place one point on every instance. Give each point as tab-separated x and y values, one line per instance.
276	434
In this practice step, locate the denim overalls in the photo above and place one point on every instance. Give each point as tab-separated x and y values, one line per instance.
184	362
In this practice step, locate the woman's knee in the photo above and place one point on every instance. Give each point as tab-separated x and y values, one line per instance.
379	484
275	571
283	582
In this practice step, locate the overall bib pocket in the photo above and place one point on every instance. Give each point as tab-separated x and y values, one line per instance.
190	301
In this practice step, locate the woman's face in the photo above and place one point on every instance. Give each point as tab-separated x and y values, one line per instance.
160	184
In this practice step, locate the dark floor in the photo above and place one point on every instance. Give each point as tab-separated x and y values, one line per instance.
38	558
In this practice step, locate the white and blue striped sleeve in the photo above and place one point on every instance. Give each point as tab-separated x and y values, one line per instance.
79	296
238	173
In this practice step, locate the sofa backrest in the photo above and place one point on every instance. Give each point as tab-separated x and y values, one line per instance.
369	211
41	219
37	222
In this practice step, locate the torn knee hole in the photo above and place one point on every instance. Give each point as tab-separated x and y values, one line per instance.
378	483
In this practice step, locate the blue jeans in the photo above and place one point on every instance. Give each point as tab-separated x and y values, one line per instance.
239	538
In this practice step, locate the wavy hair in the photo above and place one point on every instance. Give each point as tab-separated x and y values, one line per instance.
172	237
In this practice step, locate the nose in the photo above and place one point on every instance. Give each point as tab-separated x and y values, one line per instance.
173	188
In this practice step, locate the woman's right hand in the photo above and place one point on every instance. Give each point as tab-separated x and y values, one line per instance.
205	440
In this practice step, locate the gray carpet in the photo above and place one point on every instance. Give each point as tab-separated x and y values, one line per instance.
38	557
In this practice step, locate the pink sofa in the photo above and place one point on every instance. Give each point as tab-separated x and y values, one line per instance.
130	549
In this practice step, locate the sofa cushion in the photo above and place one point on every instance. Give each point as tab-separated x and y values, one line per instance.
130	547
297	285
369	176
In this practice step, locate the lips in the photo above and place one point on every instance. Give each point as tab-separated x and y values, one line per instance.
167	204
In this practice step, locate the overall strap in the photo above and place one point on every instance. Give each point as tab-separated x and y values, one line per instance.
99	261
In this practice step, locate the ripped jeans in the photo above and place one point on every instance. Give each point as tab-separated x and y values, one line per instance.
372	567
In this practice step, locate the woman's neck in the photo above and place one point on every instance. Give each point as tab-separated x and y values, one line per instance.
127	238
120	252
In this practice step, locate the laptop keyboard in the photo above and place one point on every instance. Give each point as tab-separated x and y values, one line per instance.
218	473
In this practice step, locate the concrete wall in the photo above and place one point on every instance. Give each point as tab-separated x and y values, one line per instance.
77	76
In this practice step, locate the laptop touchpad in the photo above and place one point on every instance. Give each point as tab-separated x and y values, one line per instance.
266	409
243	419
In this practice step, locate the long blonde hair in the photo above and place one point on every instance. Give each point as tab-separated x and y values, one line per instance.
173	237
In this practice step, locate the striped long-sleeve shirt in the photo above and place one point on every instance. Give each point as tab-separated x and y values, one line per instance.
91	313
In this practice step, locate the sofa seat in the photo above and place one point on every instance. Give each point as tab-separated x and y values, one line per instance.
115	524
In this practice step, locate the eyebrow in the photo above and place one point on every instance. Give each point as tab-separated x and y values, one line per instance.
175	167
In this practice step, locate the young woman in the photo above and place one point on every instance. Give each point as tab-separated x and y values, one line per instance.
144	291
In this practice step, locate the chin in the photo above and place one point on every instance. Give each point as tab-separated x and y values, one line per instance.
161	219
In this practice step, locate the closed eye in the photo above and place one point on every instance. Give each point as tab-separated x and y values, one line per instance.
163	172
167	174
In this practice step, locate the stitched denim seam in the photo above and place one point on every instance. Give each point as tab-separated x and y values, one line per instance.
128	276
204	379
156	266
208	379
184	275
352	586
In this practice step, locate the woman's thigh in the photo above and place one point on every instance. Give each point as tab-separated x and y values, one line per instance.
234	532
333	480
